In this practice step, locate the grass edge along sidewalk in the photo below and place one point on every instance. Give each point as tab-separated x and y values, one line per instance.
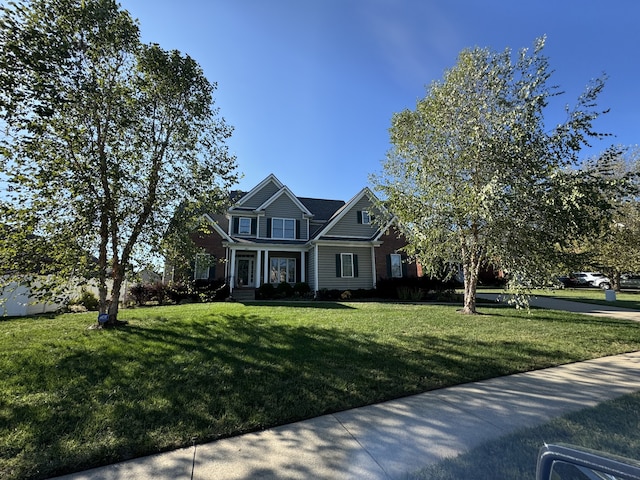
610	427
73	398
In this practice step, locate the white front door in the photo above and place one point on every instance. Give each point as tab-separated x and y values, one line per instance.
245	271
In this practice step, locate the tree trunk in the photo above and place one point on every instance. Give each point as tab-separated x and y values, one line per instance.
114	303
470	288
615	280
471	260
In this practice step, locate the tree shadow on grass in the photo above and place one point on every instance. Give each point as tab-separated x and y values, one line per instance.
164	384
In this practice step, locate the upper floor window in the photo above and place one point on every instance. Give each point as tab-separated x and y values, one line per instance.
283	228
364	217
244	226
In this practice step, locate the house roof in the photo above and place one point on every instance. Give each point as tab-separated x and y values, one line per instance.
321	209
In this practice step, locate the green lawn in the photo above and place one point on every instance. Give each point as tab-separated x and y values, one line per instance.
73	398
626	299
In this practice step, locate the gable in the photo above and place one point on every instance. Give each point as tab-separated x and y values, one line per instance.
284	207
259	194
348	222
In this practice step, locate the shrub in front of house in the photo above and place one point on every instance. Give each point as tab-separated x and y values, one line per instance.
266	291
414	288
284	290
301	289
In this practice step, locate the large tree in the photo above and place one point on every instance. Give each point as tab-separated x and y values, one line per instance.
103	137
475	177
616	248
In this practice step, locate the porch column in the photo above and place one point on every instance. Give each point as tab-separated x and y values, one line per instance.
256	268
303	266
315	268
232	271
266	266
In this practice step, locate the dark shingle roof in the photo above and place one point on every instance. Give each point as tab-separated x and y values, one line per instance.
322	209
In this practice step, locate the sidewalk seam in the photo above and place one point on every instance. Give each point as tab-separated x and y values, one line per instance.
362	446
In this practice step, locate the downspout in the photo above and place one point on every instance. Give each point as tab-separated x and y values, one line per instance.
373	265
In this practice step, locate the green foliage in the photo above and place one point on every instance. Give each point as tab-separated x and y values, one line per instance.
78	398
266	291
475	177
105	138
86	299
616	249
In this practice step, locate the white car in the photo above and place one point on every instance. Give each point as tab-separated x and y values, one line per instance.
595	279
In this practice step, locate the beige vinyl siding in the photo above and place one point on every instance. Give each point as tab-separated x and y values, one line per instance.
262	196
348	225
311	269
327	268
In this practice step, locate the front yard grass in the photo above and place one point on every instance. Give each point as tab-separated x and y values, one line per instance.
611	427
73	398
624	299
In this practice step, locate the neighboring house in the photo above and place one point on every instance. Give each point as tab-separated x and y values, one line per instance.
16	300
270	235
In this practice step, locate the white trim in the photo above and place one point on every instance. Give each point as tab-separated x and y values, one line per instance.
232	279
391	257
240	219
283	228
216	226
285	191
347	207
342	275
345	243
373	266
287	262
315	268
265	265
386	228
257	188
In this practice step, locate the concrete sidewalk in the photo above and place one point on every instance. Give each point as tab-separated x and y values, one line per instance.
389	440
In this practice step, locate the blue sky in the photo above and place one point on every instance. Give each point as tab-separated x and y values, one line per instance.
311	85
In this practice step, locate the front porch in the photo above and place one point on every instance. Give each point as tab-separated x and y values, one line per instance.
251	268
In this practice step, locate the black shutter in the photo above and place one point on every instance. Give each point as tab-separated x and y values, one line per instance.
404	266
359	216
338	266
298	229
355	265
254	225
388	266
236	222
268	228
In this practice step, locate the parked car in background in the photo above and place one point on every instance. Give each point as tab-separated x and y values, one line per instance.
586	279
630	281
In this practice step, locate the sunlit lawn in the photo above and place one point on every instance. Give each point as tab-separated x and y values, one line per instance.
73	398
611	427
624	299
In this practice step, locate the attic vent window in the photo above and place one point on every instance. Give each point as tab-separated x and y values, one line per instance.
363	217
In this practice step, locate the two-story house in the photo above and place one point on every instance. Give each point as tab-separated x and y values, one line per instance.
270	235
